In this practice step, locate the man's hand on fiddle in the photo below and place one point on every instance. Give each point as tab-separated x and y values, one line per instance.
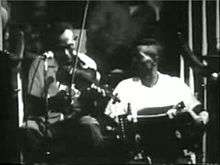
172	113
98	89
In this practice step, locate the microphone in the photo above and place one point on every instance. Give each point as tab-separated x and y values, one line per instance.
47	55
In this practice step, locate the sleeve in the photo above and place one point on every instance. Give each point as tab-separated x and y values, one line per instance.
36	78
192	104
119	108
189	99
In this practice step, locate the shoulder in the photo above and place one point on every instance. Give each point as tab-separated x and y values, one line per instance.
172	80
127	81
38	65
37	62
83	56
40	61
177	85
89	62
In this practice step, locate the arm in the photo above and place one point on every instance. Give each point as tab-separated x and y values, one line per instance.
35	103
114	109
36	78
193	106
201	117
36	88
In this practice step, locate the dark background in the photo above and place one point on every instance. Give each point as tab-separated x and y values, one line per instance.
112	34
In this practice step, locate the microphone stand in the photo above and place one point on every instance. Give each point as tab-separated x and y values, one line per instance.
46	86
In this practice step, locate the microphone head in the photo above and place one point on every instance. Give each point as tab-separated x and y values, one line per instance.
48	55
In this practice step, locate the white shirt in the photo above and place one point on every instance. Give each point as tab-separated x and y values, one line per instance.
168	91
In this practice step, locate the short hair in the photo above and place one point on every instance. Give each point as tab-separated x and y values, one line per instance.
150	42
147	41
137	57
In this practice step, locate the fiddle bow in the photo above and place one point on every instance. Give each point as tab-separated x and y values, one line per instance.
88	75
79	41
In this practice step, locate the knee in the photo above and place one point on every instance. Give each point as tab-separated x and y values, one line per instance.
92	129
29	139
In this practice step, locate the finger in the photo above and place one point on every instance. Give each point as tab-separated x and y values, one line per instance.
103	93
170	115
99	90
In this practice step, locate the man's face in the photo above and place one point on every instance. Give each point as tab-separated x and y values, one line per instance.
67	43
148	58
68	40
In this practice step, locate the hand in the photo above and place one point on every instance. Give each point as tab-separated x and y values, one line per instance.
171	113
98	89
130	118
204	115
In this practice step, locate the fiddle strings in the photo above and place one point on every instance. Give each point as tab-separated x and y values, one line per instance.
79	41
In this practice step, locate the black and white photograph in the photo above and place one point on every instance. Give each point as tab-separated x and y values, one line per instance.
109	82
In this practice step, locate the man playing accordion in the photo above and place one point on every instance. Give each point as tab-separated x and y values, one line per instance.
151	93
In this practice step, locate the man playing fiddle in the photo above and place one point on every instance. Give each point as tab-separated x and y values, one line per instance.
150	92
53	108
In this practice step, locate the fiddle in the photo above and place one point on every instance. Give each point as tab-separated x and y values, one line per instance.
86	79
83	75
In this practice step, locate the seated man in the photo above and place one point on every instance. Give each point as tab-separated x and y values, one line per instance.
54	109
149	91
